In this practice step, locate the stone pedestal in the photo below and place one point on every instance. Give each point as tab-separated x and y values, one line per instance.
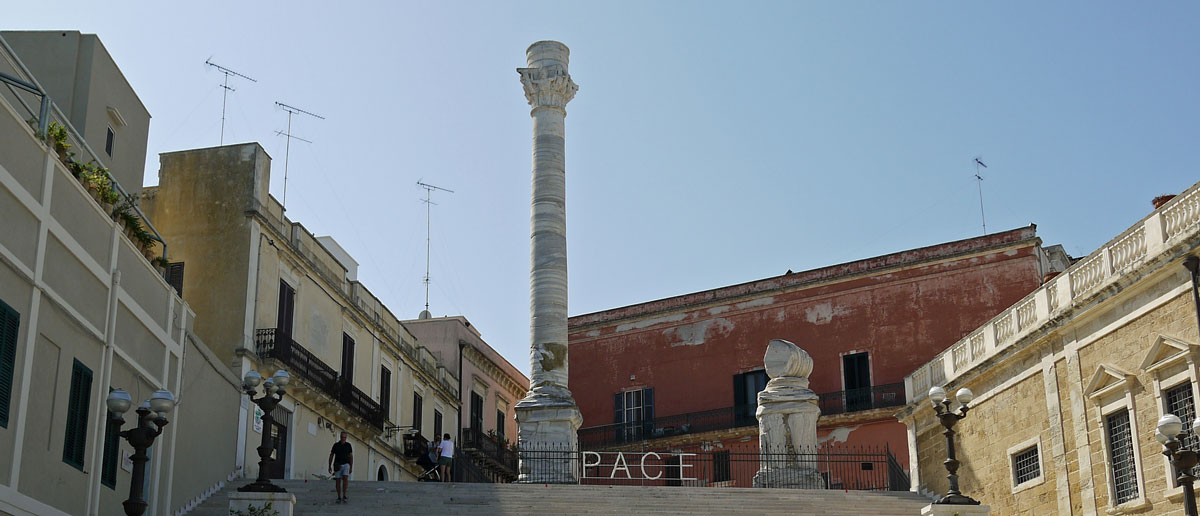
934	509
787	421
548	443
285	503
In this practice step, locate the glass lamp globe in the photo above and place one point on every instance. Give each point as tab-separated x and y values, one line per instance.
1170	425
281	378
252	379
1196	426
937	395
1160	436
964	395
119	401
162	401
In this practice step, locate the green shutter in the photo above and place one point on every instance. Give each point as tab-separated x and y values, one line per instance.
112	441
10	320
75	438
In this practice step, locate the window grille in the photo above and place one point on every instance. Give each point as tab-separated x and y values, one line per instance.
1178	400
1120	451
1026	466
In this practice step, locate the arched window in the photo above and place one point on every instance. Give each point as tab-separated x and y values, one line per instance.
382	475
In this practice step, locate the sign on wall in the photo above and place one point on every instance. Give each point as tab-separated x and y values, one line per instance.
258	415
650	466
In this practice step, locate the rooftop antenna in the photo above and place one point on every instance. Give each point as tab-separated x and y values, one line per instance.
291	110
979	183
428	204
225	94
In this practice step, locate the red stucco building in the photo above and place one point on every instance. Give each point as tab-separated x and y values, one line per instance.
685	371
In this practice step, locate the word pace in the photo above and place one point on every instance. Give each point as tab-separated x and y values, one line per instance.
617	466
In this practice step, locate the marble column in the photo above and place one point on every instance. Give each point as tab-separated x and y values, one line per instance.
547	417
787	421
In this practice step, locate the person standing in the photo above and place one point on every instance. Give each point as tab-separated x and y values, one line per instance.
341	465
446	458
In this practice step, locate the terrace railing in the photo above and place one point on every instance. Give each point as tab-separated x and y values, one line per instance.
855	400
270	343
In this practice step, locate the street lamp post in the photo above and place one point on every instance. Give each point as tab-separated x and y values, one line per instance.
1170	429
941	405
273	390
152	417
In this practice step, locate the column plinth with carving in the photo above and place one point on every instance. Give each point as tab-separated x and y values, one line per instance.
787	421
547	417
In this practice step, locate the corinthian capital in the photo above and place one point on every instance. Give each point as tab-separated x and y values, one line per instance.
549	86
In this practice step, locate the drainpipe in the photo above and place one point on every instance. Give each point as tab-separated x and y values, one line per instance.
1192	264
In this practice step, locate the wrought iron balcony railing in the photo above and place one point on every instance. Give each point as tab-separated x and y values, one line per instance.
840	402
300	362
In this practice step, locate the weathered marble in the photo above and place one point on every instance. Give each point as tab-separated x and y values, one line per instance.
787	420
955	510
284	503
547	416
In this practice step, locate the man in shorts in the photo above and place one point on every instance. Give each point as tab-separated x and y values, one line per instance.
341	465
446	457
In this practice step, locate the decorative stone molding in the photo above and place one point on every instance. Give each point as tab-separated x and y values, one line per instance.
1167	351
546	81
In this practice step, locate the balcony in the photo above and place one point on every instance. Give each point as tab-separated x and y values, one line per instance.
491	455
271	343
840	402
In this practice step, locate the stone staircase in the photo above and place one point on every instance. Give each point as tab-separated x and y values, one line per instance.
427	498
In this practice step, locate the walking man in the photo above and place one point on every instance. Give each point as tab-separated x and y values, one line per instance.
446	458
341	464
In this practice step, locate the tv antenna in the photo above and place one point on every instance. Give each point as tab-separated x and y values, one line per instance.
291	110
979	183
428	204
225	94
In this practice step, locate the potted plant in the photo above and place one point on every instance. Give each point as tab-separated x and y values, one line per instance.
56	137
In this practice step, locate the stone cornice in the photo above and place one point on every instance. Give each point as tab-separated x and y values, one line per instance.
493	371
548	87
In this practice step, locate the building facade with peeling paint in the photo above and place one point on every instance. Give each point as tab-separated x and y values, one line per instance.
686	370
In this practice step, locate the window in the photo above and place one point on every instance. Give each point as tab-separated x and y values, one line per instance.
500	423
287	307
9	322
746	387
1026	466
856	377
174	276
112	441
721	466
75	440
385	392
347	358
417	405
1120	451
633	412
109	140
437	422
476	420
1178	400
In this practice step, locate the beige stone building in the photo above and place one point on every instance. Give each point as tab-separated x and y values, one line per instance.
269	295
82	310
1070	382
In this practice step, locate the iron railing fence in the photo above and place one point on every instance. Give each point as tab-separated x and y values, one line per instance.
840	402
497	453
271	343
844	468
856	400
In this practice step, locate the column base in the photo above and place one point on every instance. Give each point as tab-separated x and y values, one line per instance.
242	502
789	478
937	509
548	441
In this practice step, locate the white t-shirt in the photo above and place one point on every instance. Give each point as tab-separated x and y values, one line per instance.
447	448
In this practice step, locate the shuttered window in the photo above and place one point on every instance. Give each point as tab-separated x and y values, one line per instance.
112	441
174	276
75	440
9	322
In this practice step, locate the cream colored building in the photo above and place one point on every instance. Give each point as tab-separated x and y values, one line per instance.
1070	382
270	295
491	385
83	311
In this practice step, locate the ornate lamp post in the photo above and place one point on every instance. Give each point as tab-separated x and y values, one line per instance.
1170	428
273	390
941	405
152	417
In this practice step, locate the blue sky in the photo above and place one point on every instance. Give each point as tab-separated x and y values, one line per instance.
711	143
